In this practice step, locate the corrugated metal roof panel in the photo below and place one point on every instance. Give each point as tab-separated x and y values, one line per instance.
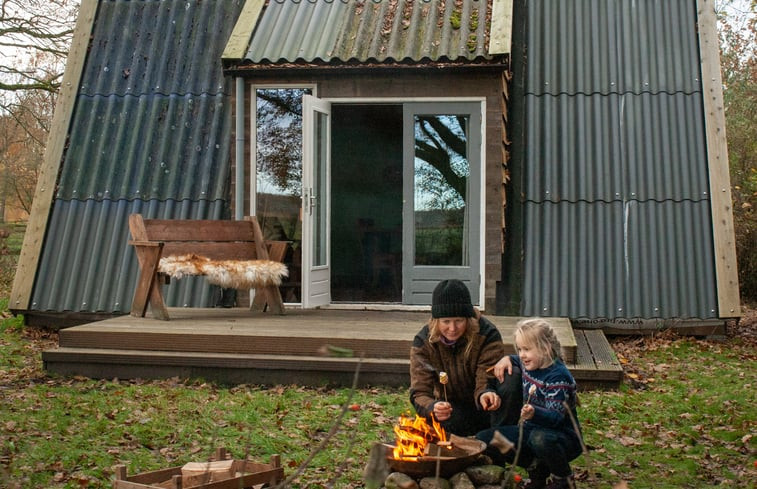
619	260
93	269
150	133
168	47
617	212
616	147
612	46
370	30
148	147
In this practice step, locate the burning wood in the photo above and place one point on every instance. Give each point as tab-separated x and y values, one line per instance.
414	435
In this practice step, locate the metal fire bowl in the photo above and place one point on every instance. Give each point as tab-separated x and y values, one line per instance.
448	465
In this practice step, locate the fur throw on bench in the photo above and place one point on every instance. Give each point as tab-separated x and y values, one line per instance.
229	274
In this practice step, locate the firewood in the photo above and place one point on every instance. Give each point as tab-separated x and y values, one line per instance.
195	473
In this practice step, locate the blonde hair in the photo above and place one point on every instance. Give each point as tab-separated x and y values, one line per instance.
538	332
471	330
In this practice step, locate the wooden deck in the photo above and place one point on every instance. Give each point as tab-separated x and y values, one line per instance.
306	347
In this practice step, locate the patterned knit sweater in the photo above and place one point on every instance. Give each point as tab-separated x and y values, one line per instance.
467	376
554	385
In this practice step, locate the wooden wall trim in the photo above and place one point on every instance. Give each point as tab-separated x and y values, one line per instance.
48	175
239	40
724	237
500	33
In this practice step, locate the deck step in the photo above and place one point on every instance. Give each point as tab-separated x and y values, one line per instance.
235	346
300	332
230	341
226	368
597	365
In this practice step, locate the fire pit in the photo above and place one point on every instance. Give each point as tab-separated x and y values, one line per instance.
420	447
462	453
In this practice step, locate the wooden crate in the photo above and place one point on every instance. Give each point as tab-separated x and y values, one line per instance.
248	474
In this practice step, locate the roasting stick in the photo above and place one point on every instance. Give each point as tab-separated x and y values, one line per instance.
444	380
531	392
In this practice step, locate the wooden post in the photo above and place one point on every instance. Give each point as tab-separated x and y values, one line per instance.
221	453
271	295
275	464
723	232
148	288
120	472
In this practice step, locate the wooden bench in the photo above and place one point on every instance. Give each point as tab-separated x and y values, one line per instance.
220	243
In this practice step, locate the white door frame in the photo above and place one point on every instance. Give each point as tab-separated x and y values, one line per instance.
368	101
316	202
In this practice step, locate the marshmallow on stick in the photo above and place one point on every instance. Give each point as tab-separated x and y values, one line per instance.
444	379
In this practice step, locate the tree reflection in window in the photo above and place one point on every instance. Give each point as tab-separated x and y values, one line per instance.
441	184
279	174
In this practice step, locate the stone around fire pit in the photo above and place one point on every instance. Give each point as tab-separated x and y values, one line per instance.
474	477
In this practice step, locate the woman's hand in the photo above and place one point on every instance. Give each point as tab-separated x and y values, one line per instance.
442	411
490	401
527	412
503	365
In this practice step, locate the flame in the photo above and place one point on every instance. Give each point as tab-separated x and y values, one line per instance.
413	435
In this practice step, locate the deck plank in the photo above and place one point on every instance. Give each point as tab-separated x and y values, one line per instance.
601	351
584	358
595	368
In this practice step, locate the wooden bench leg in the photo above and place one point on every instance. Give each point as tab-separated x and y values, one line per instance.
148	258
268	296
148	287
157	305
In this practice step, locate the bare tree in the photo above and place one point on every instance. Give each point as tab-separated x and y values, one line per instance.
22	141
34	39
35	36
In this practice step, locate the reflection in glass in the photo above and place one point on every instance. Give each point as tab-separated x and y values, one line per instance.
278	123
442	174
320	207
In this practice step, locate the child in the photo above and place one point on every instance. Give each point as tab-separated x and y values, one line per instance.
461	344
549	438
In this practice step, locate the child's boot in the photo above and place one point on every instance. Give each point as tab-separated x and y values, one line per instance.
557	482
537	476
535	483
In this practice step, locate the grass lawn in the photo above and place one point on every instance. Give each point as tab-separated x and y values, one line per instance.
685	417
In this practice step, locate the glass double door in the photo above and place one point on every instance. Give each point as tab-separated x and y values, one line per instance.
391	200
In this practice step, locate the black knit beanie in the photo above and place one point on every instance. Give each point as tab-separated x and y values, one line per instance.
451	299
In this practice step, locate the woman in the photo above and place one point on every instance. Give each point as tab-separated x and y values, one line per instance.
461	344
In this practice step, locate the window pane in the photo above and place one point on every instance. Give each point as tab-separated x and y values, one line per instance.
320	185
440	187
279	175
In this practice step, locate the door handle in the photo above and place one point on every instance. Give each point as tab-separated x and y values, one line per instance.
309	200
